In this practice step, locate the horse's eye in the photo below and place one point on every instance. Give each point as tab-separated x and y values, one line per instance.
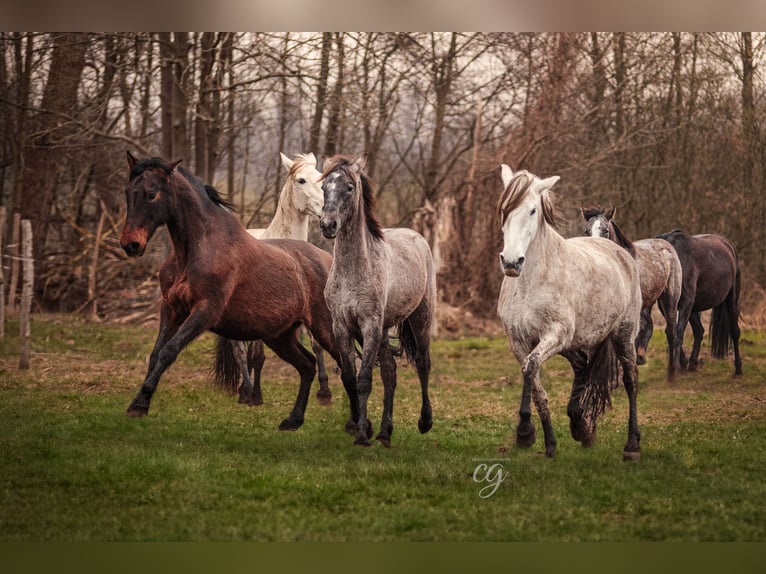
350	188
301	180
534	210
151	196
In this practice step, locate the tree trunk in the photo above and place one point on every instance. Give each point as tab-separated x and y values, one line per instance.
324	74
44	157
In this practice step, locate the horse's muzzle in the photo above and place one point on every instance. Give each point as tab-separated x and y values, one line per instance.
329	228
511	269
133	241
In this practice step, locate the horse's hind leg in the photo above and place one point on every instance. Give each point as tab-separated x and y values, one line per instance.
388	375
324	394
625	354
249	357
699	332
288	348
669	309
419	326
644	334
733	310
578	426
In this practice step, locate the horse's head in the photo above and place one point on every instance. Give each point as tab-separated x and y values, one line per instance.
597	221
524	207
303	183
347	191
149	200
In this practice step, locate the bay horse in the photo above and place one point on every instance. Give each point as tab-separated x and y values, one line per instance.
379	279
579	298
219	278
660	275
300	201
711	280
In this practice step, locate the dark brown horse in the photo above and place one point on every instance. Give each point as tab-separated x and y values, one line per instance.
711	280
219	278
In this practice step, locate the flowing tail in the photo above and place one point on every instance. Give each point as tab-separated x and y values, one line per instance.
602	377
407	344
724	317
226	373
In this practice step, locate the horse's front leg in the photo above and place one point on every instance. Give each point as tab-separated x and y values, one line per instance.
530	368
166	352
372	333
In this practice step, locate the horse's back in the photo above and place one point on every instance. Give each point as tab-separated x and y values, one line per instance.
658	266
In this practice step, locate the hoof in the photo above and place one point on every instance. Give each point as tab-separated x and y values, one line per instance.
137	411
324	397
640	360
350	427
525	436
289	425
251	402
588	440
362	442
550	451
384	440
424	425
631	455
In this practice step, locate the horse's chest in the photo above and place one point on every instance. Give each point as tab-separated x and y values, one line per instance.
179	296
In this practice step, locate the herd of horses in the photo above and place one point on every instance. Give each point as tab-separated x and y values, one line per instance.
587	298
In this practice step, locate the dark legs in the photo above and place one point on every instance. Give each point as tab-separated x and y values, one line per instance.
388	375
578	426
625	354
698	331
171	339
533	390
644	334
669	310
288	348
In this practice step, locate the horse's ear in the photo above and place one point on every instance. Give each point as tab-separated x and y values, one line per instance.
547	183
360	162
286	161
582	210
169	167
611	212
311	158
131	160
506	175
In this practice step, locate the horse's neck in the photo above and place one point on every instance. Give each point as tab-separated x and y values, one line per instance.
355	246
545	250
287	223
191	230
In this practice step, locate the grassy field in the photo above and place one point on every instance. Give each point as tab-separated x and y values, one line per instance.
203	467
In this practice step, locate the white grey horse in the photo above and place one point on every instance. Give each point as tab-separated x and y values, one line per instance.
380	278
660	275
300	201
577	297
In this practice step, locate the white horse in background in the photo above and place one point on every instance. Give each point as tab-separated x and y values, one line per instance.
300	202
577	297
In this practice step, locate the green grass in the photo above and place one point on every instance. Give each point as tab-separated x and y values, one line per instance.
203	467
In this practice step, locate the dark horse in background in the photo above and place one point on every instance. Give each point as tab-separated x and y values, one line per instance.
659	272
711	280
219	278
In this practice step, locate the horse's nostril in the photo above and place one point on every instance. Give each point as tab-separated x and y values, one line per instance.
131	248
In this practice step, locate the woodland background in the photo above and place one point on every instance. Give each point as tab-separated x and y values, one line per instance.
667	127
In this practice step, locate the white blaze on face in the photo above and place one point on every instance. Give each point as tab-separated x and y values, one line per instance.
518	230
595	230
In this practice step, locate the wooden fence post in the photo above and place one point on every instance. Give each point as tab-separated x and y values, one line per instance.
26	293
93	271
14	253
2	274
